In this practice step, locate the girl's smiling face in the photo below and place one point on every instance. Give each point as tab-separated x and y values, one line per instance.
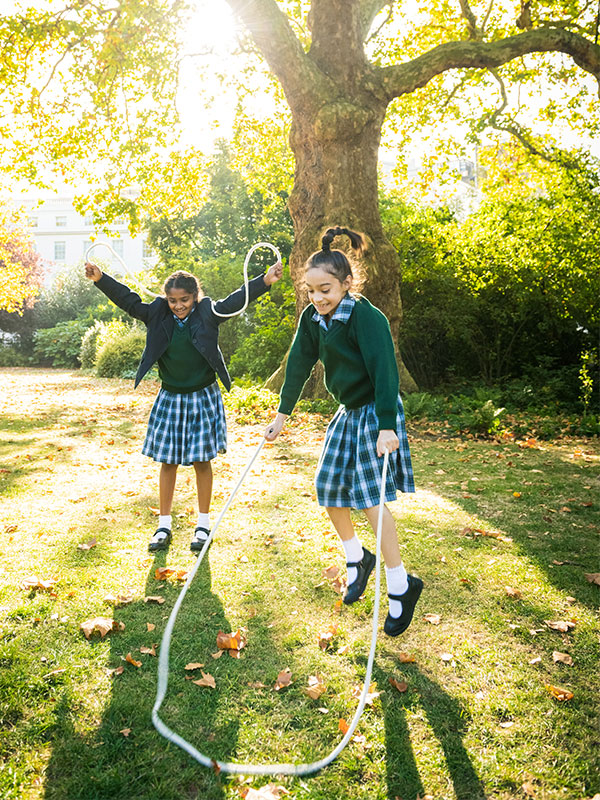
325	291
181	302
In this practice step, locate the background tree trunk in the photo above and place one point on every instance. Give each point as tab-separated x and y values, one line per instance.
335	183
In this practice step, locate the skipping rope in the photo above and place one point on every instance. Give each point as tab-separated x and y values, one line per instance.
163	660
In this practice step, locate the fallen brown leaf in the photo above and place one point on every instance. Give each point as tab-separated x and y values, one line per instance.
154	598
125	732
148	651
117	671
592	577
406	658
559	693
162	573
101	624
331	572
372	694
401	686
564	626
231	641
131	660
283	679
150	626
325	637
343	725
434	619
194	665
87	545
315	687
206	680
515	593
33	582
562	658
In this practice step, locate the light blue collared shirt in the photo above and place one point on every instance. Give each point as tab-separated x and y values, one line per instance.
342	312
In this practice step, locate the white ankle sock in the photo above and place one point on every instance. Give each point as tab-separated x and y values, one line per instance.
164	521
203	521
354	552
397	583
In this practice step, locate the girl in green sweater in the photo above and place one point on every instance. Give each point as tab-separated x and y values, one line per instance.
352	339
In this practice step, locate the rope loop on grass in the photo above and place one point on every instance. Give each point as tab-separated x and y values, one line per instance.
163	660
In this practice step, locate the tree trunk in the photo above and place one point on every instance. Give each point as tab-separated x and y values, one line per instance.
336	184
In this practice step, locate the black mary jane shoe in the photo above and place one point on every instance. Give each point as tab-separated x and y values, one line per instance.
394	626
162	543
364	568
197	544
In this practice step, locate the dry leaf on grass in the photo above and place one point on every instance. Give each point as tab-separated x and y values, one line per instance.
87	545
372	694
434	619
118	600
114	672
33	582
401	686
125	732
194	665
154	598
131	660
561	625
406	658
562	658
283	679
148	651
101	624
331	572
592	577
150	626
325	637
558	692
162	573
514	593
343	725
231	641
206	680
315	687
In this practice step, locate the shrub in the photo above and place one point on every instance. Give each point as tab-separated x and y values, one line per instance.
120	354
251	404
59	346
96	336
12	356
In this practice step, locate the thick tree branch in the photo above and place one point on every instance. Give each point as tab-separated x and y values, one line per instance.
368	11
300	79
405	78
471	20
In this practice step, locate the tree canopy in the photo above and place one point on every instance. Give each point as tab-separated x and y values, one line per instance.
20	266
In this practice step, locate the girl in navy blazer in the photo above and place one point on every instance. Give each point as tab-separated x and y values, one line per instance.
187	422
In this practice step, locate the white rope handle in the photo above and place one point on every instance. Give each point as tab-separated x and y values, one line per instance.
123	264
163	661
246	281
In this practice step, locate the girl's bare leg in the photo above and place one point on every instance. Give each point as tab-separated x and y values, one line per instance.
166	487
389	538
204	482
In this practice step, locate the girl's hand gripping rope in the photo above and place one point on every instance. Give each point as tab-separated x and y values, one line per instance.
387	440
273	274
92	272
273	430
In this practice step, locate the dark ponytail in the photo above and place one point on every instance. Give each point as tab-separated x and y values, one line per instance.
335	262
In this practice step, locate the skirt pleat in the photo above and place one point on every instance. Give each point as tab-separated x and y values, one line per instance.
349	470
184	428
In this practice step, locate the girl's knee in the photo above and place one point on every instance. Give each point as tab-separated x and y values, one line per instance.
202	466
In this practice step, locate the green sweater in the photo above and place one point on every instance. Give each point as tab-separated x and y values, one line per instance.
358	357
182	369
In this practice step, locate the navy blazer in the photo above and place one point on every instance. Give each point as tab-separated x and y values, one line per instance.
159	321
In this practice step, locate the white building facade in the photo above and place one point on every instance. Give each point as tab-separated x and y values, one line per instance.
62	237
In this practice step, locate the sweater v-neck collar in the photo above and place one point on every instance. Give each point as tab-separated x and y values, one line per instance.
341	314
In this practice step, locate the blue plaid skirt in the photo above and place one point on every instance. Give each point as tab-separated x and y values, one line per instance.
349	470
184	428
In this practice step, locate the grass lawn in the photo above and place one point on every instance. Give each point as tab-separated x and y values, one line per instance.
502	533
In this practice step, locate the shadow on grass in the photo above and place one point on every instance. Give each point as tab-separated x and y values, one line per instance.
448	721
120	754
555	523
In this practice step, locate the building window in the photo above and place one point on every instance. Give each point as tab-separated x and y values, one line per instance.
60	251
61	222
117	246
146	250
88	220
33	222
